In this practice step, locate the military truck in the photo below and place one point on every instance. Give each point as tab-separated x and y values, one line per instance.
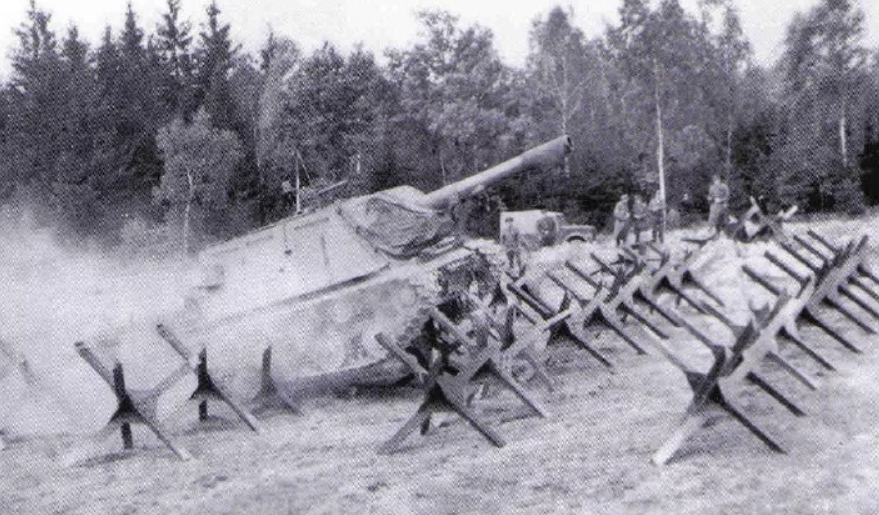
540	228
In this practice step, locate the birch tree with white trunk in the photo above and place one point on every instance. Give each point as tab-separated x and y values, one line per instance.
199	161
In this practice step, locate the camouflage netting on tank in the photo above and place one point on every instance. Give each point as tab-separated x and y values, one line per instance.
398	229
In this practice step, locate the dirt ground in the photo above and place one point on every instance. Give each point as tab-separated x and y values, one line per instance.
592	455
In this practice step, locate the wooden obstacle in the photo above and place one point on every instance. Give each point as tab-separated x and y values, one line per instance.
207	389
132	406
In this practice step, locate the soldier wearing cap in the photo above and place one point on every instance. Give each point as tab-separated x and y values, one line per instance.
510	241
621	220
656	208
718	198
640	221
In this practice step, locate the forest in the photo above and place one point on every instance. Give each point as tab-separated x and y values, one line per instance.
175	133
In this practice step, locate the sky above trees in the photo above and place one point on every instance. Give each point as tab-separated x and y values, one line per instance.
386	24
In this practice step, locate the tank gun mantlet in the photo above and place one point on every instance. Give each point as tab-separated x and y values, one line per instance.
394	222
409	196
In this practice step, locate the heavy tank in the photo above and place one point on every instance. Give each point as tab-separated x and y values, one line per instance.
317	287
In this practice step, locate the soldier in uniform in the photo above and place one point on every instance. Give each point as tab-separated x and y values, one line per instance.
510	241
718	198
656	208
621	219
459	212
289	195
639	217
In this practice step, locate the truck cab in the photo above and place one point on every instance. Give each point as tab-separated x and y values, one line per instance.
540	228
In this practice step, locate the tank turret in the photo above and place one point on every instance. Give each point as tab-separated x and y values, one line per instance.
403	221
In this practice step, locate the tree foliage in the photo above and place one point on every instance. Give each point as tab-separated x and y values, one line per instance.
455	89
199	161
92	134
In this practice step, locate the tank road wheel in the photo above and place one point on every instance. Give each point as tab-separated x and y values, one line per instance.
404	298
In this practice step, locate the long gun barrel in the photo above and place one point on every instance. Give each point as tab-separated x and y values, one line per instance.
544	155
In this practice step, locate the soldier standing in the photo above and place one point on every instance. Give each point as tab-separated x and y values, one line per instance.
718	198
289	195
639	217
657	207
458	212
510	241
621	219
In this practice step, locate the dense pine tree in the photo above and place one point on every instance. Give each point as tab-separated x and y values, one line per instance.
173	42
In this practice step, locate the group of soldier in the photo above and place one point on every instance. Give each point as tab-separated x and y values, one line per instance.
634	216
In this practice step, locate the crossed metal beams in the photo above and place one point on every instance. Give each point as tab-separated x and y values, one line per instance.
23	368
835	277
139	406
767	226
458	356
447	384
830	279
754	342
133	406
207	389
634	286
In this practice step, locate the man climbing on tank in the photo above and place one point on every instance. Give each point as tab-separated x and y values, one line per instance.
718	200
621	219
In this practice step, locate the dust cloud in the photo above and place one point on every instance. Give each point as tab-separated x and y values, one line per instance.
52	296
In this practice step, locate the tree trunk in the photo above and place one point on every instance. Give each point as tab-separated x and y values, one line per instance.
563	99
729	135
442	166
843	145
660	146
187	210
298	190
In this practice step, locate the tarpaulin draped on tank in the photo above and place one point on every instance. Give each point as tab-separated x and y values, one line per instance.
400	230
